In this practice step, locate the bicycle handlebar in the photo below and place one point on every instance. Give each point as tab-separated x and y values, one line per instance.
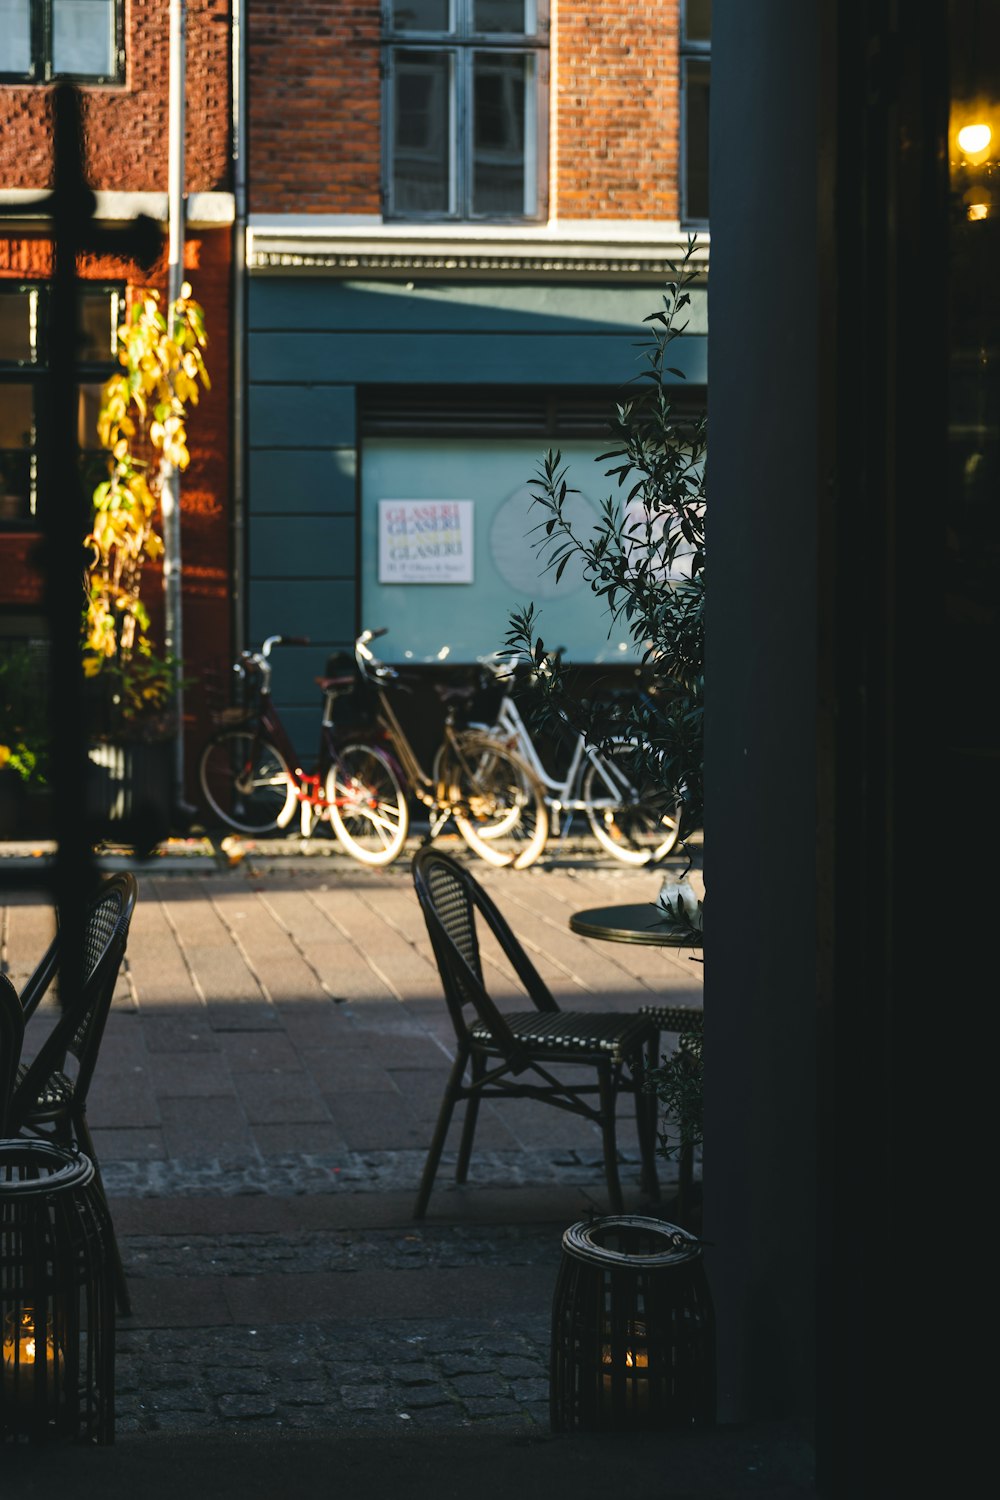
368	663
280	640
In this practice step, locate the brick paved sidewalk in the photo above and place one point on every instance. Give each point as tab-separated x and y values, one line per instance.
267	1087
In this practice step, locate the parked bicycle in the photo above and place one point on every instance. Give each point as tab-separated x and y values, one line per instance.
620	806
495	799
251	777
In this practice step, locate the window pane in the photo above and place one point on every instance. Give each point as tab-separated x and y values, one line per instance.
88	405
15	36
420	15
17	422
696	79
99	312
507	16
421	156
503	181
83	37
698	20
15	328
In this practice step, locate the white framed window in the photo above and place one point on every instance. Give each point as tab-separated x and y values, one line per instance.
464	103
45	39
696	68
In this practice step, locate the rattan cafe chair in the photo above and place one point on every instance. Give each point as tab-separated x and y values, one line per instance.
50	1091
11	1036
512	1055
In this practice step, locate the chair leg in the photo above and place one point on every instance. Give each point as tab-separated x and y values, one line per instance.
469	1127
440	1132
608	1101
122	1297
645	1119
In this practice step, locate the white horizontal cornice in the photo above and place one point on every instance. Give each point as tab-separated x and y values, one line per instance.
204	210
358	246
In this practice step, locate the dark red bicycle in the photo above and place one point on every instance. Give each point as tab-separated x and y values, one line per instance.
251	777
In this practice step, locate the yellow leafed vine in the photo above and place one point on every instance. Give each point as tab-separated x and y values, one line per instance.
144	407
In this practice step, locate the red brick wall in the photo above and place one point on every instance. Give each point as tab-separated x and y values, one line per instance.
314	106
616	109
126	127
314	99
205	509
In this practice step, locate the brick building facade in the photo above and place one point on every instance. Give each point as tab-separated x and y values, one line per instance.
452	218
460	211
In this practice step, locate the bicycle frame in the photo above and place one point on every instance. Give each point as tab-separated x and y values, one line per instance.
563	796
309	787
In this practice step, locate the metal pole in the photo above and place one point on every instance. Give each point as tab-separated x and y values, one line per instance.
170	494
238	523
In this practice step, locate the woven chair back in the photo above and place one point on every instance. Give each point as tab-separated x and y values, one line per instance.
105	937
79	1030
444	888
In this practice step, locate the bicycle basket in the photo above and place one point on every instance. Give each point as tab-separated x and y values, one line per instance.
355	705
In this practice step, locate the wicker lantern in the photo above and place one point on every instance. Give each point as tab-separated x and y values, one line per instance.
633	1333
57	1310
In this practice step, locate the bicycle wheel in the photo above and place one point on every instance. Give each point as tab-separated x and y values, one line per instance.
622	811
497	801
368	810
246	782
455	775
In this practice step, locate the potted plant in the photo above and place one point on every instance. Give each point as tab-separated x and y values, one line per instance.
646	560
143	426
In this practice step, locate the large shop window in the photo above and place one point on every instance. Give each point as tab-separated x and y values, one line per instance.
449	527
77	39
465	96
696	67
24	318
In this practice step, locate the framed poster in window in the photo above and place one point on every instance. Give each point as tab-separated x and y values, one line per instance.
425	541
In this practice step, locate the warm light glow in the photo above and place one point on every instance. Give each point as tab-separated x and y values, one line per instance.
20	1351
978	211
636	1358
974	140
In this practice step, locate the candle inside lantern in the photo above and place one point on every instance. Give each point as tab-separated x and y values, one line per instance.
22	1351
633	1358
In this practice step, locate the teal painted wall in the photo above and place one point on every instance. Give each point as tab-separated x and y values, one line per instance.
312	342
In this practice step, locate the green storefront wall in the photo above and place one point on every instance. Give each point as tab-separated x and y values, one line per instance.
318	344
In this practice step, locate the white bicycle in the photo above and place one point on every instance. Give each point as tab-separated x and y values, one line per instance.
621	806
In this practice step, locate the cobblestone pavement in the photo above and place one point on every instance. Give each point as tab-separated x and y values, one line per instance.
439	1373
266	1091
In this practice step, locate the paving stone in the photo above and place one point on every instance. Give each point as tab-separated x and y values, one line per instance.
423	1398
465	1364
238	1382
491	1406
246	1406
469	1386
529	1392
301	1393
364	1398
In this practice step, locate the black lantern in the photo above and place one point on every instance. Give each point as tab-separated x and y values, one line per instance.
57	1310
633	1332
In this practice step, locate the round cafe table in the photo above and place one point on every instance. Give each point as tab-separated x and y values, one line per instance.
635	922
643	922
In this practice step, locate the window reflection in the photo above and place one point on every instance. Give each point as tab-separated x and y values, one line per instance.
501	92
